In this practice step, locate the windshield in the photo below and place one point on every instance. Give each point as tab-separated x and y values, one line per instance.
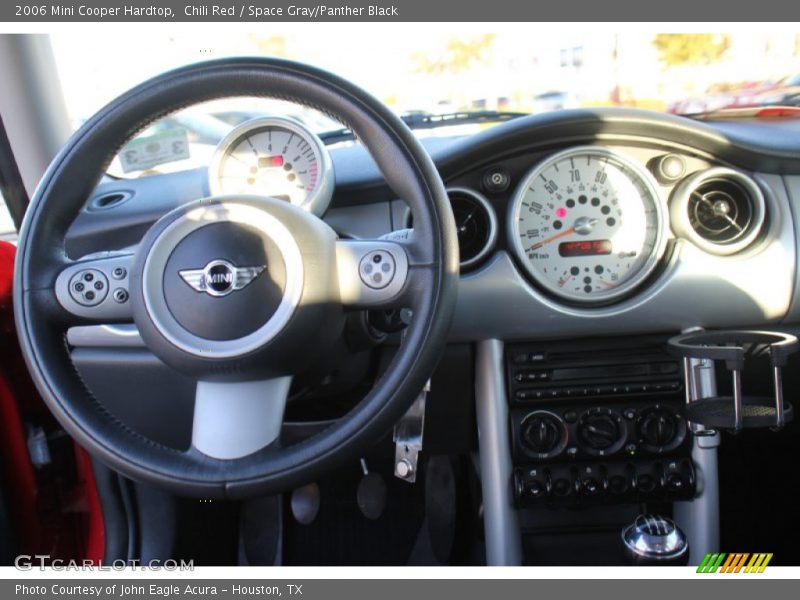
443	68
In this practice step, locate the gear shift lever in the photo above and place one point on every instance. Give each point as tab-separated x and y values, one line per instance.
655	540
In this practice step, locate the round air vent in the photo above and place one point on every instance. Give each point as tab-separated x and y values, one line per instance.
476	224
109	200
719	210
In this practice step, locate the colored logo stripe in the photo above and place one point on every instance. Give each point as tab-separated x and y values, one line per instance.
711	563
758	563
734	563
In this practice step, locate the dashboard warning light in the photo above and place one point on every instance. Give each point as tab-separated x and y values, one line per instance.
270	161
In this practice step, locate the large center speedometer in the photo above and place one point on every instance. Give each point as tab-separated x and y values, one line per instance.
587	224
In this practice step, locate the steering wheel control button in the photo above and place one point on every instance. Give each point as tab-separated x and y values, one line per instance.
88	287
119	273
377	269
120	295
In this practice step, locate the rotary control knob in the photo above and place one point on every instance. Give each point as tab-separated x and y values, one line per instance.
601	431
660	429
543	434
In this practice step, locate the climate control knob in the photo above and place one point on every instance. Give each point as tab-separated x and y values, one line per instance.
601	431
660	429
543	434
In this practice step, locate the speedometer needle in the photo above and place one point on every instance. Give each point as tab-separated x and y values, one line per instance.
553	238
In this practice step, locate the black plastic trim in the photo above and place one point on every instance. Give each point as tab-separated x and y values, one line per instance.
11	184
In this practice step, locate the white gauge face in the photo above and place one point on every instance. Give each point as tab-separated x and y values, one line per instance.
587	224
274	157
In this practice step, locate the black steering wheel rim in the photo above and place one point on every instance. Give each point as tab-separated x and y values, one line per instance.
73	174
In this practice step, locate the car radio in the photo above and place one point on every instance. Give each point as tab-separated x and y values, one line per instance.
598	422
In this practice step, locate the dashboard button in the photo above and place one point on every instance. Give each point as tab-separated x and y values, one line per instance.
669	168
562	487
520	358
535	489
590	487
496	180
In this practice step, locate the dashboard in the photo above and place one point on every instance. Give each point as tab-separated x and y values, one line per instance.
587	238
570	224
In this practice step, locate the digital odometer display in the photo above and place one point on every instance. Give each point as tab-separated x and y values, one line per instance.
587	224
587	248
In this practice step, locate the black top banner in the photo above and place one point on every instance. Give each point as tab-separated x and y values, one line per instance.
265	11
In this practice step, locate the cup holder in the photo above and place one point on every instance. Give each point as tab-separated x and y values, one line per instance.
738	411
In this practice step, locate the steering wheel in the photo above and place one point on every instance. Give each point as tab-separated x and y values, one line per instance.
278	284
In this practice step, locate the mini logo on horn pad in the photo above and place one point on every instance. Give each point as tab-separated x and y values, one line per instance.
220	278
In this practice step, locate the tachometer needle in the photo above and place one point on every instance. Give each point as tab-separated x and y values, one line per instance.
553	238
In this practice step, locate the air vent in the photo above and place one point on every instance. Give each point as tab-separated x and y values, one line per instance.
109	200
476	225
719	210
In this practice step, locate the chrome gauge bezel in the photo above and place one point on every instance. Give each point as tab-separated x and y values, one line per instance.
317	201
622	290
491	218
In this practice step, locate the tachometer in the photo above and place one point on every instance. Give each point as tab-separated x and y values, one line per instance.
587	224
277	157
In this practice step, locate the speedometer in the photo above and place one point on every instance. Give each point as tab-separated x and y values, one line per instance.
587	224
277	157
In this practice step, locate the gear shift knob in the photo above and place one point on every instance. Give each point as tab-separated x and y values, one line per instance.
655	540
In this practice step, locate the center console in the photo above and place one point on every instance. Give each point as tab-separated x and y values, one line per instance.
598	422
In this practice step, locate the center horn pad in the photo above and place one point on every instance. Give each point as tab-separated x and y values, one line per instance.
231	285
224	281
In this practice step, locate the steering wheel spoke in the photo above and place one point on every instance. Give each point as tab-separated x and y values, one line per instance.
96	290
235	419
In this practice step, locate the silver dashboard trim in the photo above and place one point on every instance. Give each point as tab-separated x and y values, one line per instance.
699	517
500	522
